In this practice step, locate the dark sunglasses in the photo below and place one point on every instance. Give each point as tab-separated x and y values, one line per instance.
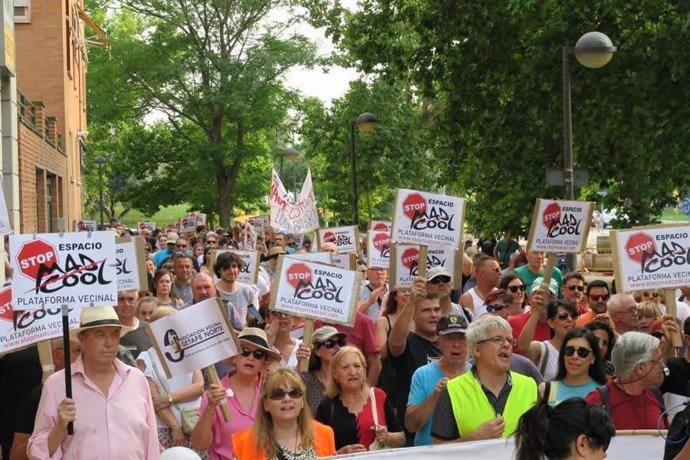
563	315
650	294
573	287
211	241
181	246
440	279
278	393
581	352
600	298
258	354
514	289
331	343
147	249
495	307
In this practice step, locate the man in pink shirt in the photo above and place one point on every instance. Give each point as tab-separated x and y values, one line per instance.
111	405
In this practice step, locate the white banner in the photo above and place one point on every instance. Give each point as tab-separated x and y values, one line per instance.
130	264
193	338
378	249
250	271
428	218
651	257
404	264
346	261
20	329
85	225
345	238
200	219
249	237
317	291
560	226
151	226
52	269
380	225
299	216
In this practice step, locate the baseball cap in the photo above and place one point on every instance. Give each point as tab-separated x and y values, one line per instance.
324	333
172	238
450	323
553	285
437	271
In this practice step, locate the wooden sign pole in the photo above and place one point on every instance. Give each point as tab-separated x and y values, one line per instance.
306	339
212	377
671	309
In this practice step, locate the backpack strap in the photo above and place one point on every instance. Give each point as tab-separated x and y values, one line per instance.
605	399
544	359
660	397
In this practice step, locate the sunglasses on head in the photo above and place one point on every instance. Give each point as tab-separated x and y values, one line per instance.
564	315
599	298
581	352
573	287
514	289
331	343
278	393
440	279
258	354
495	307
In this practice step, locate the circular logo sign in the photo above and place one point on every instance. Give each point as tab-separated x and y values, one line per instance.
329	237
381	241
410	257
380	227
637	244
551	215
414	204
298	272
33	254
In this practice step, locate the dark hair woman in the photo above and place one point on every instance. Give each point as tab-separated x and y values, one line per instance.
607	340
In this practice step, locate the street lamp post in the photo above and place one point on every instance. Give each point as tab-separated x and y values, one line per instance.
593	50
366	122
292	154
100	161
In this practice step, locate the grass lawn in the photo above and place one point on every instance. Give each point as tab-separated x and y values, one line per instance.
165	216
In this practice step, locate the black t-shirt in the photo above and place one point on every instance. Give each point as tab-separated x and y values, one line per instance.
26	414
678	380
418	352
137	340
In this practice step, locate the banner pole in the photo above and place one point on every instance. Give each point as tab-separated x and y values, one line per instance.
212	376
672	309
68	363
306	338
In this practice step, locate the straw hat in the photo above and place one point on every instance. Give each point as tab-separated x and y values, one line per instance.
257	338
93	317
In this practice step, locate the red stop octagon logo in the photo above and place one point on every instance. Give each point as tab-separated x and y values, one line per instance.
298	272
552	214
329	237
414	204
410	257
381	241
637	244
33	254
380	227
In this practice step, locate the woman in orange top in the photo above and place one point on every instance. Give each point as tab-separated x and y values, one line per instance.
284	428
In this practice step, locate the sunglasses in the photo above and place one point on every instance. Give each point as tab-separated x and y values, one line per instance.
180	246
514	289
278	393
573	287
258	354
651	294
147	249
581	352
440	279
211	241
331	343
600	298
495	307
563	315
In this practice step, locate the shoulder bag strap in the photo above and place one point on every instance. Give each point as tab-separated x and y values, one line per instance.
374	409
544	361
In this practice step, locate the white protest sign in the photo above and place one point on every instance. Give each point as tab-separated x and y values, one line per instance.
5	224
321	257
188	224
85	225
150	226
249	237
52	269
315	291
651	257
130	264
293	216
427	218
560	226
20	329
346	261
193	338
404	264
449	258
380	225
345	238
378	249
250	271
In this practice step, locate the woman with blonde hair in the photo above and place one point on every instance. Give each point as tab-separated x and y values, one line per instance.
647	312
284	427
361	417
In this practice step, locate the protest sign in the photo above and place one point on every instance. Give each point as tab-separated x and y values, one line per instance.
321	257
427	218
5	224
85	225
293	215
560	226
249	237
188	223
195	337
251	259
345	238
378	249
379	225
405	265
449	258
19	329
72	269
346	261
130	264
150	226
316	291
651	257
200	219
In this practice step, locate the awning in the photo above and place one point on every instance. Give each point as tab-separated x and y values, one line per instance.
102	35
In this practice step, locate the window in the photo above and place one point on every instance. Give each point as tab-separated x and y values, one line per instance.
22	10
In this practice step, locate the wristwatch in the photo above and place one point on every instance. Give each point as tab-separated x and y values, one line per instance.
170	400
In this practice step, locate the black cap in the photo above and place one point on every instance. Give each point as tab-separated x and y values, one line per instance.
448	324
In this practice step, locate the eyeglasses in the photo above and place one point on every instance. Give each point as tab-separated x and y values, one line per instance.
660	361
495	307
278	393
331	343
497	340
211	241
650	294
573	287
180	246
495	269
258	354
599	298
514	289
581	352
563	315
440	279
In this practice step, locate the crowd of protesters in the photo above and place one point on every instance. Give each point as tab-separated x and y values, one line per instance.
495	354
